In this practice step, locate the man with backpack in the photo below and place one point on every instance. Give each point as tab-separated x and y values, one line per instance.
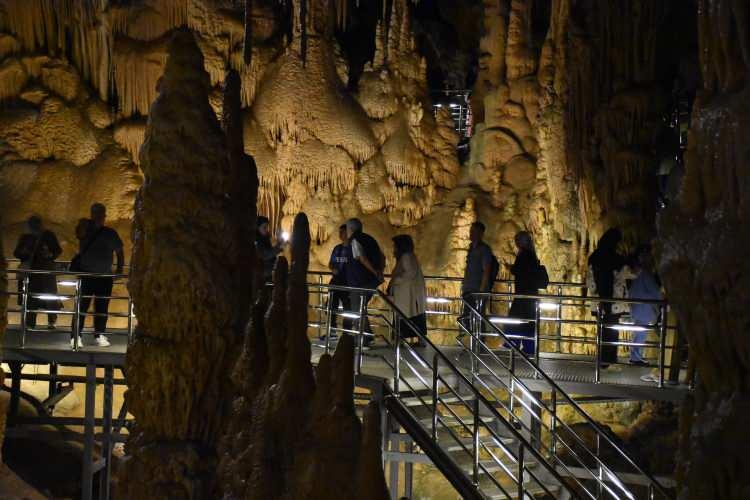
481	269
364	271
98	244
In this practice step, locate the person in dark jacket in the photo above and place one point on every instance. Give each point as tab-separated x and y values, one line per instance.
604	262
267	251
364	271
37	250
525	282
341	257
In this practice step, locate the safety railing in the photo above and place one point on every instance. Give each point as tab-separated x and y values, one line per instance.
463	422
548	323
595	467
33	293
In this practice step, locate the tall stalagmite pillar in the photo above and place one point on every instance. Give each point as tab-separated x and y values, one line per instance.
704	260
190	282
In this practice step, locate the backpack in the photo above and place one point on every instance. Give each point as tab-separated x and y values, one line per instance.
541	278
494	270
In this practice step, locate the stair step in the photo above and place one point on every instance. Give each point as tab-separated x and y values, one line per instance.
451	445
444	399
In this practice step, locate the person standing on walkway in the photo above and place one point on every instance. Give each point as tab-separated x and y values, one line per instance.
266	250
478	273
364	271
526	271
645	286
98	244
341	257
407	289
37	250
604	262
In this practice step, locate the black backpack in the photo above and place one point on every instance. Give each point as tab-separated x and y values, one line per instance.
372	251
541	277
494	271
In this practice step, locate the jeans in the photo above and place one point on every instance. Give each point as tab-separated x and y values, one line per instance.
340	297
34	303
609	352
636	353
101	290
355	299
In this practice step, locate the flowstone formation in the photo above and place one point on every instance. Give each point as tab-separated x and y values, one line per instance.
704	239
291	434
518	148
191	281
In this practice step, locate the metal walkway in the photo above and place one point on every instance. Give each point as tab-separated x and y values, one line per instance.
486	417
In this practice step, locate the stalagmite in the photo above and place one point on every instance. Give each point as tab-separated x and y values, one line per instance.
190	284
703	243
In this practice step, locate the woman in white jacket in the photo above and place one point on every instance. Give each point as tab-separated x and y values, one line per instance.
407	288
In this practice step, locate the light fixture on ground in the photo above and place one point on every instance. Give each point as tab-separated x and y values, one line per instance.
437	300
45	296
548	306
629	328
67	283
509	321
350	315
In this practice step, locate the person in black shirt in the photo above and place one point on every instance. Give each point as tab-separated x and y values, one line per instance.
340	259
364	271
267	251
525	282
37	249
603	264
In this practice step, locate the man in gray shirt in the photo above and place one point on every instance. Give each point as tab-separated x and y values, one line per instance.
478	267
98	243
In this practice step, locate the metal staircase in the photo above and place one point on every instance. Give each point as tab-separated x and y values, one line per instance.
487	432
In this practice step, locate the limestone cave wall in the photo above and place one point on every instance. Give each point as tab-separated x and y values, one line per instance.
703	241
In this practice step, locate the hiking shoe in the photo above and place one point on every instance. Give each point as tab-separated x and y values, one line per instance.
102	341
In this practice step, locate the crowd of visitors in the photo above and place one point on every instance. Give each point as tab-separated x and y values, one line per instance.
357	266
38	248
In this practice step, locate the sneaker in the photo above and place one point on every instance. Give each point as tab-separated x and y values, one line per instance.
638	362
102	341
72	343
650	378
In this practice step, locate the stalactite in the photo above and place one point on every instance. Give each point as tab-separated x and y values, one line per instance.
247	48
303	30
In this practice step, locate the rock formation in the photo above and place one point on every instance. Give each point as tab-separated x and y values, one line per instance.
704	240
191	279
292	435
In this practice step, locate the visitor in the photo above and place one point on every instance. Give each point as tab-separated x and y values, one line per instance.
526	271
364	271
267	251
98	243
644	286
478	273
604	262
341	256
407	289
37	249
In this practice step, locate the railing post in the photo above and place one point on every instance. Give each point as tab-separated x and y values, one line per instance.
435	387
475	443
328	321
599	334
520	469
559	320
320	304
77	326
361	328
599	470
663	343
537	344
553	423
397	356
24	307
130	319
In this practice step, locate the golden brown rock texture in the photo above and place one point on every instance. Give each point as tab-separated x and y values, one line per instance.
704	260
190	282
292	435
613	114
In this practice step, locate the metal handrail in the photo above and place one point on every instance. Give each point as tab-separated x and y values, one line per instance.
441	358
556	388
